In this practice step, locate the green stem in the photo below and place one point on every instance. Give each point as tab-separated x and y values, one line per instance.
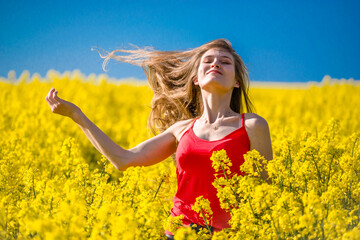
358	211
322	229
317	169
33	185
352	151
328	180
252	210
162	180
132	200
101	174
236	196
259	172
290	168
207	225
273	221
51	206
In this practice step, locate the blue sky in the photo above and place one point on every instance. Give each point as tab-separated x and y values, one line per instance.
282	41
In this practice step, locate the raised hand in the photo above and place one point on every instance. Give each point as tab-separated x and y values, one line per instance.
60	106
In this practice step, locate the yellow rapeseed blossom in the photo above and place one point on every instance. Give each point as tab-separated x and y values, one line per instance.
55	185
202	207
173	223
220	162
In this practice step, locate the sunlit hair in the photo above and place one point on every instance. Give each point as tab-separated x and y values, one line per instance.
171	76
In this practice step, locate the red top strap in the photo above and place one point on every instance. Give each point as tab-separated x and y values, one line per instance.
243	119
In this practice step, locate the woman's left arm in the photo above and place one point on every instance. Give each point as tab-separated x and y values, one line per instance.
259	135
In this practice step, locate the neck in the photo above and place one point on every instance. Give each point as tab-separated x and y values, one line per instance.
216	106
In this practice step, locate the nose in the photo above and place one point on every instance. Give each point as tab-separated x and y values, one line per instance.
215	65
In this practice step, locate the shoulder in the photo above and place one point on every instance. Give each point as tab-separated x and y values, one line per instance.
178	128
259	134
255	122
256	127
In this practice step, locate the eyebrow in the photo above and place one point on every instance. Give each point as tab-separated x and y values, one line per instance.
222	56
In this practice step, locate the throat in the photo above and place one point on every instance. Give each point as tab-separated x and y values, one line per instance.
217	118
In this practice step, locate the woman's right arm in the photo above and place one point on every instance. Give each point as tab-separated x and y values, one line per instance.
146	153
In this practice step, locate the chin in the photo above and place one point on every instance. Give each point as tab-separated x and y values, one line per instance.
215	86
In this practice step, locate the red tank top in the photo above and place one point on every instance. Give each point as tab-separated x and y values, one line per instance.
195	174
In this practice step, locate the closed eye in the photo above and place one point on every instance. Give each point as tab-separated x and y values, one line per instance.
224	60
208	60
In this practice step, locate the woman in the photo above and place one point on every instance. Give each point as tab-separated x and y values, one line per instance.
199	96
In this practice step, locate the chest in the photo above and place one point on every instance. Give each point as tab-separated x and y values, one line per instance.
214	132
193	153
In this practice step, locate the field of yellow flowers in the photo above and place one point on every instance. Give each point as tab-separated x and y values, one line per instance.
55	185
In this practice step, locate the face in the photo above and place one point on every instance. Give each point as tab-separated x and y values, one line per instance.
217	69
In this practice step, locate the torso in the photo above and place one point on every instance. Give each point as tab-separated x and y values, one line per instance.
195	142
194	167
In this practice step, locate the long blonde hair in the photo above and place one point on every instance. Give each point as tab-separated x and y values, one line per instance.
171	75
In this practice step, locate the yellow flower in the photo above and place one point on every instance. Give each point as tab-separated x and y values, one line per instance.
52	188
173	224
202	207
220	162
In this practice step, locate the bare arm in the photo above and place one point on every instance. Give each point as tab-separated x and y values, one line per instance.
259	135
146	153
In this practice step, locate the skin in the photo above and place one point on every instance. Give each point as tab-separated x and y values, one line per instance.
216	78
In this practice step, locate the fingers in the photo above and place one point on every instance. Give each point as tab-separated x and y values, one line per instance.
56	97
49	97
52	98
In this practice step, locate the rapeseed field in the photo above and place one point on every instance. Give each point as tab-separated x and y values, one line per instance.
55	185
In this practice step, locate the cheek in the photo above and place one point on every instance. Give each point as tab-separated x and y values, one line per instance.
232	72
201	71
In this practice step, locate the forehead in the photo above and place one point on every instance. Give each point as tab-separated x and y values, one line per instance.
217	52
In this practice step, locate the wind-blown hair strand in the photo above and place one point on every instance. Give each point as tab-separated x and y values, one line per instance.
171	76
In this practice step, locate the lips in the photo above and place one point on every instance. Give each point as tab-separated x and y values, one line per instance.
214	71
